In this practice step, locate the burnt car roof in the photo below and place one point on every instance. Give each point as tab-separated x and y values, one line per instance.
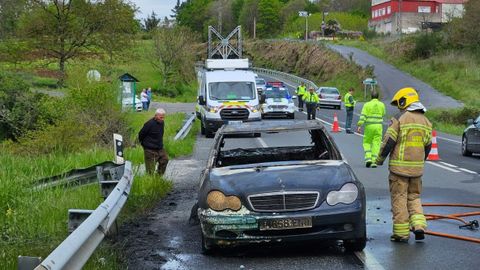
268	126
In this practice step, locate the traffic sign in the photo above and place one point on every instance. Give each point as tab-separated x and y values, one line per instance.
303	13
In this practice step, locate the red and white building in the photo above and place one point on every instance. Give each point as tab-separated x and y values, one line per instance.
408	16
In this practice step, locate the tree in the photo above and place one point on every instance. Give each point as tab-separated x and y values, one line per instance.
248	15
150	23
291	9
463	32
117	28
194	15
10	12
176	10
62	28
269	22
173	54
221	14
236	9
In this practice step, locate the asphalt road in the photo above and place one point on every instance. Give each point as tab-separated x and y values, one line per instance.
164	240
391	79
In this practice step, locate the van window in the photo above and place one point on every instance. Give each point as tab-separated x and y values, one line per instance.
231	91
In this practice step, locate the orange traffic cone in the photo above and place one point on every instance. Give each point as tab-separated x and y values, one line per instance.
335	127
434	152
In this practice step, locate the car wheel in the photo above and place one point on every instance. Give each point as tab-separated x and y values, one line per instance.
209	133
207	246
465	151
202	128
355	245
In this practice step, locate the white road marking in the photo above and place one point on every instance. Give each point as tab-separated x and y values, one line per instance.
448	164
262	142
443	167
450	140
467	171
368	260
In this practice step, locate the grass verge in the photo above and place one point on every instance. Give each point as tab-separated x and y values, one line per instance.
33	223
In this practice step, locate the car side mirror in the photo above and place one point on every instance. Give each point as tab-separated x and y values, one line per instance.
201	100
262	99
470	122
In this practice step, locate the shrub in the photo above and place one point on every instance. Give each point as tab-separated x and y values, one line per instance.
21	110
426	45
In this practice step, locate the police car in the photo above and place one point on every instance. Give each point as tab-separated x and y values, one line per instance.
277	101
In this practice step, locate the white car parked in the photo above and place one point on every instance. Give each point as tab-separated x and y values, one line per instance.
127	103
278	103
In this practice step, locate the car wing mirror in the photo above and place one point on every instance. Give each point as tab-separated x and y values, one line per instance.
201	100
470	122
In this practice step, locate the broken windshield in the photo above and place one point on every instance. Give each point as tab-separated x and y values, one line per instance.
231	90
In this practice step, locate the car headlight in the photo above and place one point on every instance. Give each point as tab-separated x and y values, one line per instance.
255	108
217	201
347	195
213	109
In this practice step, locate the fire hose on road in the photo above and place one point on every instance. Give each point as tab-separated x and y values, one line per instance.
456	216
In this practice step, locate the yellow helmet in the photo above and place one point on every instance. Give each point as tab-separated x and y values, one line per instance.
404	97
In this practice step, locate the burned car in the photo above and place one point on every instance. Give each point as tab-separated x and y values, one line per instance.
275	189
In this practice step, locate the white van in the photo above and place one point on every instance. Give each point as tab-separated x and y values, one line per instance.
227	94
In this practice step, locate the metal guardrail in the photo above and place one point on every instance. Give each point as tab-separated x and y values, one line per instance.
285	76
77	248
183	132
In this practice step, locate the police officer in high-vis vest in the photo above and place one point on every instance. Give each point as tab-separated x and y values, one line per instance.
311	99
349	107
372	117
408	142
301	91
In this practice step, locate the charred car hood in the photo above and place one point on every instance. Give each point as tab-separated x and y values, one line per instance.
243	181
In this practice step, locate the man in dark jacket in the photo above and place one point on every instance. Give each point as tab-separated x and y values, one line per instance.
151	138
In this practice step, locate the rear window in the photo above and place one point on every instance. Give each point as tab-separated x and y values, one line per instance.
329	91
260	81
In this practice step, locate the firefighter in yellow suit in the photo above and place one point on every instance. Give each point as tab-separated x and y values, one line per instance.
372	117
408	142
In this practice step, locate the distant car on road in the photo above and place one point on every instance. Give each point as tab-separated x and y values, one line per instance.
292	190
278	103
127	103
471	137
261	85
329	96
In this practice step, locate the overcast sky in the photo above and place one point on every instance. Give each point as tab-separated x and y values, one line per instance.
161	7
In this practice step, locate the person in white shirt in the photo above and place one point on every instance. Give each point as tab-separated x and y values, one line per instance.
144	99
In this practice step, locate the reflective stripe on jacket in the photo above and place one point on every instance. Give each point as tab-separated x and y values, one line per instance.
349	100
408	141
372	113
311	97
301	90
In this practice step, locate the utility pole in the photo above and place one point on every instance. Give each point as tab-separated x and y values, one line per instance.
254	27
306	27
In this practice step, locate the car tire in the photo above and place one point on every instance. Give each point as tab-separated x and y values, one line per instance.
202	128
207	246
355	245
465	151
209	134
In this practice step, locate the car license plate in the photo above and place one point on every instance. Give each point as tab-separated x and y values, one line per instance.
234	122
285	223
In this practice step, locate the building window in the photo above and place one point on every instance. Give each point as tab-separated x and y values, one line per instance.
389	9
383	11
424	9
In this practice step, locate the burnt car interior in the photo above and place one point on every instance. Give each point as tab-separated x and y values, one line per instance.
320	148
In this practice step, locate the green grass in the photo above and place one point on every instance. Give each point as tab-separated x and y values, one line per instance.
33	223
